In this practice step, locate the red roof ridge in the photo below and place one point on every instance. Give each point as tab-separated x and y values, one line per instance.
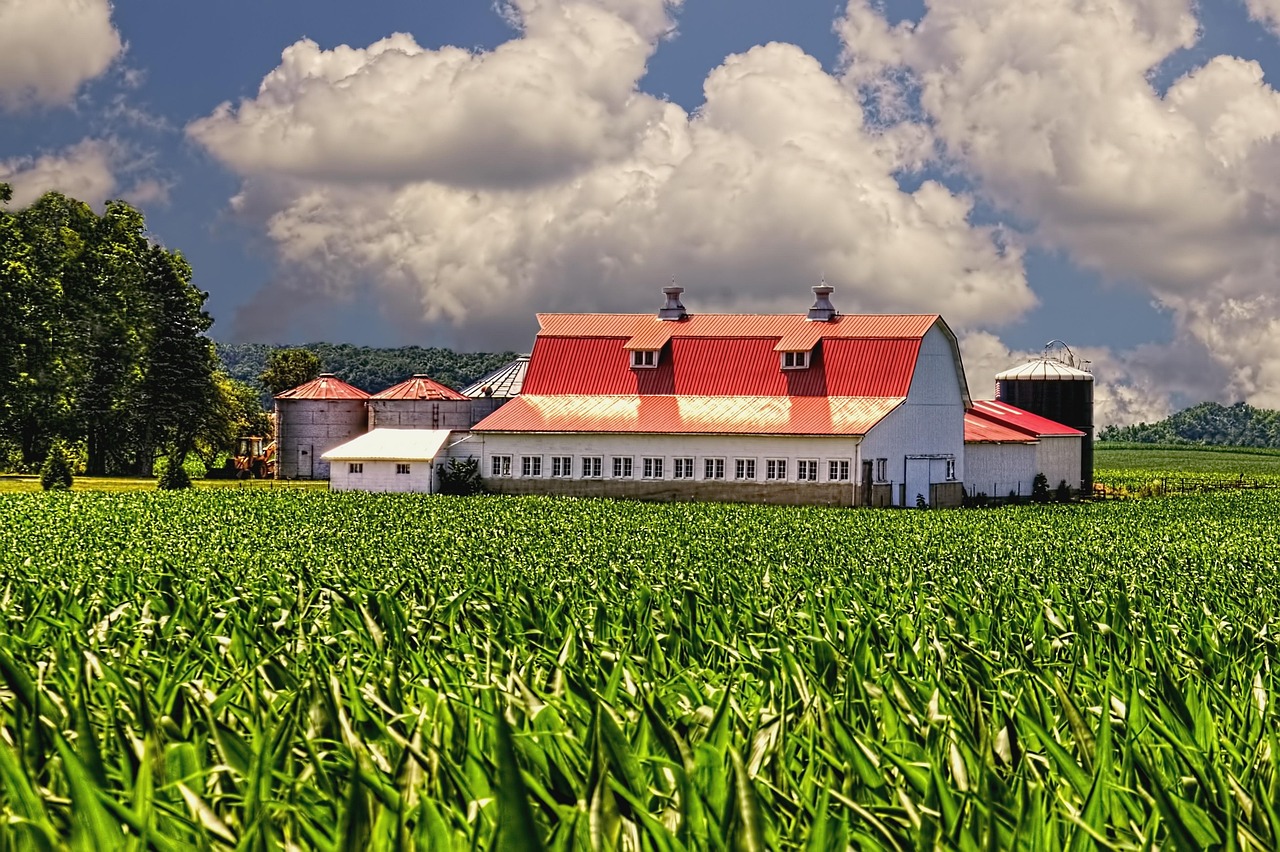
419	386
324	386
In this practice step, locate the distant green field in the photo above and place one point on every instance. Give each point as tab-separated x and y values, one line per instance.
1134	465
16	484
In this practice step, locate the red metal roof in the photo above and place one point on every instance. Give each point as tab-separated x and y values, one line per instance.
980	430
722	366
647	326
327	386
1021	421
418	387
740	415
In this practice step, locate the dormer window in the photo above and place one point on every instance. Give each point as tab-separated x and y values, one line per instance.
644	358
795	360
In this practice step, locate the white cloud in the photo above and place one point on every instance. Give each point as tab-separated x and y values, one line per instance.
48	48
85	171
1048	106
467	191
1266	11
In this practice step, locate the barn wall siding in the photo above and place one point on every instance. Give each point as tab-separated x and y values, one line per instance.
382	476
999	469
1058	459
420	414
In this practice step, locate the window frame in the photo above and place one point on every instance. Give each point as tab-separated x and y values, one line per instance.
881	475
500	466
809	466
951	469
744	470
355	468
651	467
530	467
713	468
403	469
587	465
775	470
841	468
682	467
626	464
561	467
644	359
796	360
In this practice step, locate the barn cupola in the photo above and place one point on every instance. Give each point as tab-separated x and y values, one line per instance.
673	310
822	310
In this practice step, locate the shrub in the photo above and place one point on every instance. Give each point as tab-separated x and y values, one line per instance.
174	477
55	474
1040	489
1063	492
461	477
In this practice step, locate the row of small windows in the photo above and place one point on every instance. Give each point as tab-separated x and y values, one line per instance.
647	358
357	468
655	467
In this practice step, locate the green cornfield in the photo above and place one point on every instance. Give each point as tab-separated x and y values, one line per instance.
245	669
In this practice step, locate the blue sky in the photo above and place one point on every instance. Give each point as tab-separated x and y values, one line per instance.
1106	180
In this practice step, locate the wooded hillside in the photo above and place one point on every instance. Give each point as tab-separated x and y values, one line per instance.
1238	425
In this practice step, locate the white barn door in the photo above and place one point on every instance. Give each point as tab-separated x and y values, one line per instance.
917	481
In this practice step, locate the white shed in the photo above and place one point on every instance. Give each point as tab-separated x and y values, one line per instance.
388	460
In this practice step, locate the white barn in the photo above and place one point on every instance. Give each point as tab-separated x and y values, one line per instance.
817	408
389	460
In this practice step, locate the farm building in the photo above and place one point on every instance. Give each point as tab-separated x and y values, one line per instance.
419	403
1005	447
388	459
798	408
313	418
489	393
1057	387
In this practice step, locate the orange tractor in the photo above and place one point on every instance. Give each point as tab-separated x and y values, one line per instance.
252	459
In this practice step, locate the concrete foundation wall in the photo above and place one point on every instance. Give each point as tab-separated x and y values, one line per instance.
782	493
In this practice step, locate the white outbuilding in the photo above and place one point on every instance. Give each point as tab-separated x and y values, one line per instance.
389	460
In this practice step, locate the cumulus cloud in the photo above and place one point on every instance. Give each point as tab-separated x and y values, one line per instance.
86	170
1049	107
48	48
1266	11
465	191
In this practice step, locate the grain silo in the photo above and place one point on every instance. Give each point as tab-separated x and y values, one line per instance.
1060	388
419	403
502	385
313	418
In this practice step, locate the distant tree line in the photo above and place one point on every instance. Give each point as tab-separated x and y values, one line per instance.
103	344
1209	423
368	368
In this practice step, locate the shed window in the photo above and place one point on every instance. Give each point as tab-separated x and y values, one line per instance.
355	467
807	470
713	469
562	465
775	469
652	468
402	468
644	358
795	360
838	470
592	467
744	468
882	470
951	470
531	465
500	465
622	467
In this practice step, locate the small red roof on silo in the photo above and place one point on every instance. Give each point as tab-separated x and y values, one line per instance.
419	387
326	386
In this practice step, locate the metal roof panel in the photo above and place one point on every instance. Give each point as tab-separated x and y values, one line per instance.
419	387
325	386
1022	421
391	445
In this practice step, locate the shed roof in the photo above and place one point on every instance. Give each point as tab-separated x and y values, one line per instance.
688	414
980	430
1017	419
325	386
391	445
419	387
505	382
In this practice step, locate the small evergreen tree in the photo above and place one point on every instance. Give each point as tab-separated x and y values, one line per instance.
174	477
55	474
1063	492
1040	489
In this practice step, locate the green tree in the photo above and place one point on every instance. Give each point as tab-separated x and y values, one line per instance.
288	368
236	411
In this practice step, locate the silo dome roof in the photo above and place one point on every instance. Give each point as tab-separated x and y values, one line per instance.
1045	369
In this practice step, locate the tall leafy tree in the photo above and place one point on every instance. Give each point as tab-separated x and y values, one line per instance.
288	368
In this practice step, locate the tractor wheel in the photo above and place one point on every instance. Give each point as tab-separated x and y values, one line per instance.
259	470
